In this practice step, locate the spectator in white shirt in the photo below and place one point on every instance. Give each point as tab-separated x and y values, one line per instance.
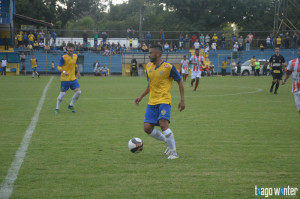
3	65
197	44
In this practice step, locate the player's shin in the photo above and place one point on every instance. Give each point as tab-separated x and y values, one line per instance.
277	86
75	97
170	139
156	134
59	99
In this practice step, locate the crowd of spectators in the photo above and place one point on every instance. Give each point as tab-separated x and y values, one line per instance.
46	41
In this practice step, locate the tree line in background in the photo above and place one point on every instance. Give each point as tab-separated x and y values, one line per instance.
156	15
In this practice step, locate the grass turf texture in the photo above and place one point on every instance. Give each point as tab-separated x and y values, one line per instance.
228	140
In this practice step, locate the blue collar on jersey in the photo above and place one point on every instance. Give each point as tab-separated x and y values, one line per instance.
159	65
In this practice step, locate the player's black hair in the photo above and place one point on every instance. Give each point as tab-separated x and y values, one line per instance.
70	45
157	46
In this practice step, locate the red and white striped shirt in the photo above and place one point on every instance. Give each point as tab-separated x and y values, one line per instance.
196	61
294	67
185	64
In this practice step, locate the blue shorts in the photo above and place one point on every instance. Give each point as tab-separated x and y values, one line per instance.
65	85
154	113
104	73
34	69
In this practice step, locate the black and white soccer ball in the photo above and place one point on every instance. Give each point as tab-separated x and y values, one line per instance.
135	145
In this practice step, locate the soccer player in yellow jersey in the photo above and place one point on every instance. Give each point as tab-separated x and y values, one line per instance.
160	76
67	66
34	63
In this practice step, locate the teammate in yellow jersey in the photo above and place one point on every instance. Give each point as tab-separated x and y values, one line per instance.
34	63
67	66
160	76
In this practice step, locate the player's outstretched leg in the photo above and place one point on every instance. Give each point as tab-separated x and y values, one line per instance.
197	83
153	132
170	140
192	82
59	100
37	74
74	100
271	89
171	144
276	87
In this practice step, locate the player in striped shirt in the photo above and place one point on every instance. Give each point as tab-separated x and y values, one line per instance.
293	70
184	68
196	61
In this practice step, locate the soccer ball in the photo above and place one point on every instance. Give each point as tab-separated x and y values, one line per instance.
135	145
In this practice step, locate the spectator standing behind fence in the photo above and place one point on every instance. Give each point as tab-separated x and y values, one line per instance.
241	40
25	39
278	41
196	44
167	47
20	39
235	50
215	38
162	37
240	50
233	39
148	37
3	65
180	41
251	37
194	38
223	41
286	41
30	38
84	37
187	42
104	37
224	67
48	37
54	36
271	40
207	38
202	38
295	40
247	40
268	42
42	35
41	45
96	37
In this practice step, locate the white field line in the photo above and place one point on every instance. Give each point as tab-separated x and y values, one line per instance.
7	185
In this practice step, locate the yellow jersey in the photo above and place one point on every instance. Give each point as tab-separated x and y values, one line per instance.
160	80
52	65
253	61
33	62
224	65
20	37
69	64
30	37
278	41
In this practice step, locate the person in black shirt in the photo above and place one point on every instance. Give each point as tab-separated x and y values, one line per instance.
277	61
133	66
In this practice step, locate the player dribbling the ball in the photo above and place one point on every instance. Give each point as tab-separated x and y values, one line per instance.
160	76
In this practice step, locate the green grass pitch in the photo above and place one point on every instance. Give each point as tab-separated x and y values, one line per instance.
232	136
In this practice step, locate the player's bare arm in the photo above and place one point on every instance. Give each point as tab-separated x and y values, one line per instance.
286	77
137	100
181	104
